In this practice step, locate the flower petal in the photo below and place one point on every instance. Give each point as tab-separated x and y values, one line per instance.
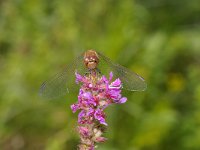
75	107
123	100
79	78
111	76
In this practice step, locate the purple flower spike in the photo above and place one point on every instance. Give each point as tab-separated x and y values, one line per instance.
94	96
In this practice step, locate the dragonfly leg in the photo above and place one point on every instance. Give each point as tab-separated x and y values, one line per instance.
98	70
87	72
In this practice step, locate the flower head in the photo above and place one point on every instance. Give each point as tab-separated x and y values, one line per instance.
94	96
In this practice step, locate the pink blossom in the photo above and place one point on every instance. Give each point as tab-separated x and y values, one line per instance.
93	98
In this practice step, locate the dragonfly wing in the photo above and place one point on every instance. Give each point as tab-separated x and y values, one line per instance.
130	80
55	86
64	81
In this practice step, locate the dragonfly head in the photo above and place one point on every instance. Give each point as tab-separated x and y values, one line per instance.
91	59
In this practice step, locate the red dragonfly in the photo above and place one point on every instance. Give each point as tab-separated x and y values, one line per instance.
89	62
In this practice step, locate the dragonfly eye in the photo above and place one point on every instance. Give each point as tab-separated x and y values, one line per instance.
91	59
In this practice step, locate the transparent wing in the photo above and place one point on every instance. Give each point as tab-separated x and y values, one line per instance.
130	80
64	81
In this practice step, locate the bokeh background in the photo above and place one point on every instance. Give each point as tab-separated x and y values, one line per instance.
160	40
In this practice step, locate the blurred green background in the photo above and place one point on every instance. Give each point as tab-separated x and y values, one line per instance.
160	40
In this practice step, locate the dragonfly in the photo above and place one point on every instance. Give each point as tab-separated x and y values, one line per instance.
88	62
